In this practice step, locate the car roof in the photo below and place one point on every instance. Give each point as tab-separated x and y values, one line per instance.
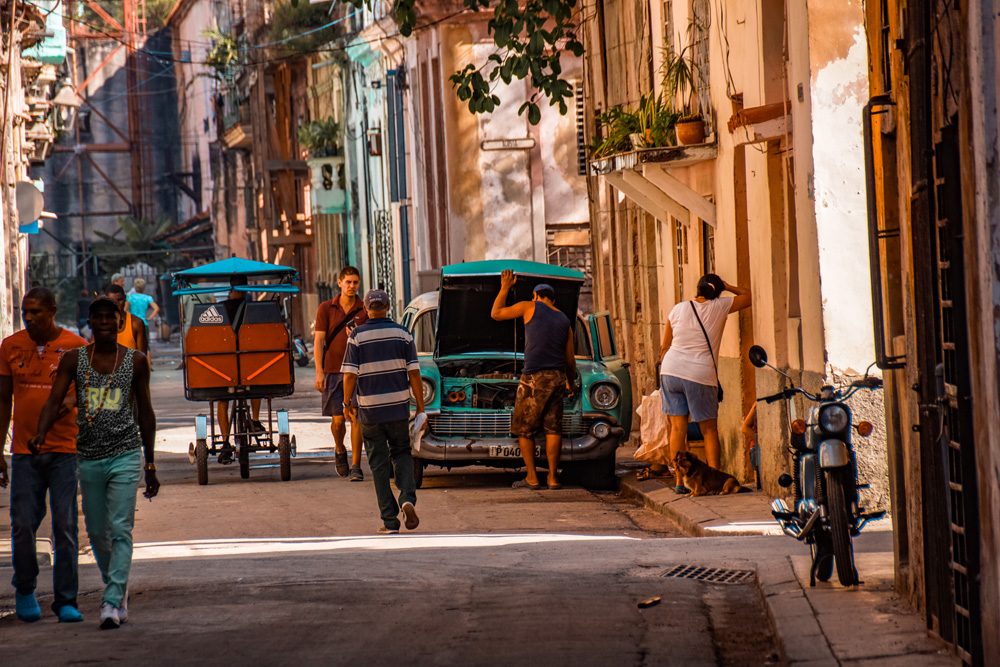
424	301
495	266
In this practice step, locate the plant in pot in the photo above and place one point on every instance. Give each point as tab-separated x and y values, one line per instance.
320	137
679	80
656	122
621	132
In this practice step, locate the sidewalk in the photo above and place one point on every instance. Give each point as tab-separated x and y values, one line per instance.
826	625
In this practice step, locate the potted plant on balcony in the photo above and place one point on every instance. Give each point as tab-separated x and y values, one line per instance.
320	137
679	76
621	132
656	122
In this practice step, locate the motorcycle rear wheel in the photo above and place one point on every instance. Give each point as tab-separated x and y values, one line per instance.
840	532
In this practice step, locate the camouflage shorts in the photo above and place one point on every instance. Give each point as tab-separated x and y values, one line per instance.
539	404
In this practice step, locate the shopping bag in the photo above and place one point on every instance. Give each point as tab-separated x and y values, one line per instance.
654	431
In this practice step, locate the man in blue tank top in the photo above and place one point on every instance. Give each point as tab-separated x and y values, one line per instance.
549	359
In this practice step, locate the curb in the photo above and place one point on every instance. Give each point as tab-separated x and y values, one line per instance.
657	499
797	632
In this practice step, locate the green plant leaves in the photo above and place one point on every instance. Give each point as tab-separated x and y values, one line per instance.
319	135
529	39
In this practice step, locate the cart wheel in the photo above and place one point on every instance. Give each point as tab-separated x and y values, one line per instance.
295	449
201	457
244	455
285	454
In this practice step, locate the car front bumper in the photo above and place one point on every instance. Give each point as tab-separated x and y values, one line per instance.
469	450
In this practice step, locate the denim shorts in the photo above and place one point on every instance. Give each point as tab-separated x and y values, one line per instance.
682	397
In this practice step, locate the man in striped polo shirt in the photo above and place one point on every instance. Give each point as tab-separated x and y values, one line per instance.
380	371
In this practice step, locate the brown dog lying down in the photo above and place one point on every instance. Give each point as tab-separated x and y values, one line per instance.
702	480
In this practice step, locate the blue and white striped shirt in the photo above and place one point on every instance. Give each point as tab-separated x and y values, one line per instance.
380	353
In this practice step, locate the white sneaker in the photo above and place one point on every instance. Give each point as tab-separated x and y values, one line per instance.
385	530
123	609
109	616
410	512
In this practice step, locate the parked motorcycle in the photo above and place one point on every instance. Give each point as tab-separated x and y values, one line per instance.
299	351
826	514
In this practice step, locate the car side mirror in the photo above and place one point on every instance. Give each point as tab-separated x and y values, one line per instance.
757	356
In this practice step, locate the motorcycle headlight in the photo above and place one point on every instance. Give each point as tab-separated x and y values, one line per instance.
833	418
428	391
604	396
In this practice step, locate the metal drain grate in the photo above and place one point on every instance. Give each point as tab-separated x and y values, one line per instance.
711	575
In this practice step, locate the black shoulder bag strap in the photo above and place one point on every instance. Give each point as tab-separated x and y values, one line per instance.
336	331
711	353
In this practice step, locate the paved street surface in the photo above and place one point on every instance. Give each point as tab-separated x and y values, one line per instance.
292	573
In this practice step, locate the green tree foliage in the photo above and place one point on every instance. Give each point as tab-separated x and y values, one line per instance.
529	36
223	56
157	12
138	236
290	22
320	137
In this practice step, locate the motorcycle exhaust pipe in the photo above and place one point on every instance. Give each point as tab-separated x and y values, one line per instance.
780	510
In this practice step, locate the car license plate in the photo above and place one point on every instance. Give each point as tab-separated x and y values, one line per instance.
507	451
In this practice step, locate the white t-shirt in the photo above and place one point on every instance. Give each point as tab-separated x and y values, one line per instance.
688	357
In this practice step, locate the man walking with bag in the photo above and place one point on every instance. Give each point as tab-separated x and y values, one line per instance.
334	321
381	371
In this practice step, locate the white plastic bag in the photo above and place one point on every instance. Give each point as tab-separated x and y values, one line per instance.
654	431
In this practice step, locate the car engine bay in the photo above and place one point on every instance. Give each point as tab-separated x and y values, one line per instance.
484	384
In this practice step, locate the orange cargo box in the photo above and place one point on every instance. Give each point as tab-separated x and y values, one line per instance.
264	355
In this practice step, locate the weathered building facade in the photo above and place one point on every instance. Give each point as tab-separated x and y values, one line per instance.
933	147
771	199
488	186
33	48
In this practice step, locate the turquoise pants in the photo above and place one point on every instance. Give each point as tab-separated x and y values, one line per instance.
109	489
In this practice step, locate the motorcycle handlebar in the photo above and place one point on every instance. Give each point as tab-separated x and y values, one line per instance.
783	394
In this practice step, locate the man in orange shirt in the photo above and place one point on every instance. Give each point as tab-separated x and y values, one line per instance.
28	363
133	333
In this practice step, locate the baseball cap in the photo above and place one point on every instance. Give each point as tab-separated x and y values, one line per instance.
543	289
376	297
103	302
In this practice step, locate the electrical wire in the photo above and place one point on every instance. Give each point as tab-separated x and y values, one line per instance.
169	57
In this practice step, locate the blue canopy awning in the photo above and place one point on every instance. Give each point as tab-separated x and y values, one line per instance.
253	289
236	266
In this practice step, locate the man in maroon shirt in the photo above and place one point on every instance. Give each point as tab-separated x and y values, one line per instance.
334	321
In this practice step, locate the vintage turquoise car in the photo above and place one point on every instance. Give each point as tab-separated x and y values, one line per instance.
470	366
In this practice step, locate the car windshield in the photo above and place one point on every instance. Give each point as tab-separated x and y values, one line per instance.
423	331
581	339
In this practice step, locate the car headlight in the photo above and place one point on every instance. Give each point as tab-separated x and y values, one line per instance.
604	396
428	391
600	430
833	418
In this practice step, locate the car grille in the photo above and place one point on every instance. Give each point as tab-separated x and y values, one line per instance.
495	424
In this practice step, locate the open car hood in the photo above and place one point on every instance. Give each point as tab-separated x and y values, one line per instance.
467	294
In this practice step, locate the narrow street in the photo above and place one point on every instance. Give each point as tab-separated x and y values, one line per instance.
292	573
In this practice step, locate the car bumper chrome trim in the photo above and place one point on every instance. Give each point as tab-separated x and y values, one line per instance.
585	447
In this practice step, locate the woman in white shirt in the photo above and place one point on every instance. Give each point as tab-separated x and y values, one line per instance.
689	377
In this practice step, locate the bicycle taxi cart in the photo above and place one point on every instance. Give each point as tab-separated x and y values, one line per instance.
240	359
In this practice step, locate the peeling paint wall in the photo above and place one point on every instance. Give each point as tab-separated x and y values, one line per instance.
506	174
839	92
